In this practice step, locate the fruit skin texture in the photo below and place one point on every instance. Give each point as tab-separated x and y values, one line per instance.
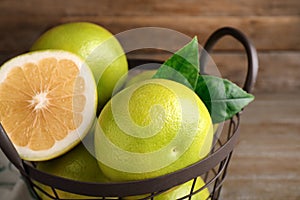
179	122
77	164
180	191
96	45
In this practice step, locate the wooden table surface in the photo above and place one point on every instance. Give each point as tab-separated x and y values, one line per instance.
266	161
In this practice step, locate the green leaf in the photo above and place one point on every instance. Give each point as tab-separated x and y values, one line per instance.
183	66
222	98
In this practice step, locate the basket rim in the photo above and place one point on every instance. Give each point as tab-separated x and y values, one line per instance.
160	183
137	187
128	188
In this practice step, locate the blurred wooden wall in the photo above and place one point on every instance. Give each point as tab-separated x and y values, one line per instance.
272	25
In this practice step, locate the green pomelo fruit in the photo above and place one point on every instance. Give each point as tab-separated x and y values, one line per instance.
48	102
96	45
180	191
78	165
152	128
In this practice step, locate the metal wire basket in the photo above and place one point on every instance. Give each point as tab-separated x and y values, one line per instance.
212	168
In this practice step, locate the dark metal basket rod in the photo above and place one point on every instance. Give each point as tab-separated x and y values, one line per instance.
156	185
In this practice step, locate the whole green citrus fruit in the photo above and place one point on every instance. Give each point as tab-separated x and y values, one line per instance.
96	45
185	189
180	191
152	128
77	164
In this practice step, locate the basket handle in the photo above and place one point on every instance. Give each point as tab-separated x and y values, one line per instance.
249	48
10	151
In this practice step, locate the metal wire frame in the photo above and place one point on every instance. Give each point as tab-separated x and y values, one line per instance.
213	168
213	174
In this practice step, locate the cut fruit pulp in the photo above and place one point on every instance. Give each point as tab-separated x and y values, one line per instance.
47	102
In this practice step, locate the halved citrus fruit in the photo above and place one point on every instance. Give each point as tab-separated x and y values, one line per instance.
48	102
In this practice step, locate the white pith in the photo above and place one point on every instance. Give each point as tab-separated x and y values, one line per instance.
39	101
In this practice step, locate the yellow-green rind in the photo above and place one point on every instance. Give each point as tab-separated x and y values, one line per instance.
96	45
180	192
78	165
199	148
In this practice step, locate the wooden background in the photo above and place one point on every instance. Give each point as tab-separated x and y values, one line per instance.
272	25
266	162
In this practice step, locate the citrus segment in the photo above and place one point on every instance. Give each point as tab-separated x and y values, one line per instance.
45	104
